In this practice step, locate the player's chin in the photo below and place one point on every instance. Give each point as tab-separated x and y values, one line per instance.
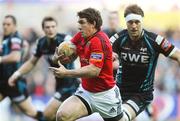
133	33
51	36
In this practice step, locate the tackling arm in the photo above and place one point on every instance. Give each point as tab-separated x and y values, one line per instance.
176	56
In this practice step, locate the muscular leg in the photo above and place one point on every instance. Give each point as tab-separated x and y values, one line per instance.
71	109
27	107
51	109
93	117
128	113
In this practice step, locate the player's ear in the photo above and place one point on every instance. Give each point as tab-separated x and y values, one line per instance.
94	23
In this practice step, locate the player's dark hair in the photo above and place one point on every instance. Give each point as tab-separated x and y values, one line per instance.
48	18
12	17
133	9
92	15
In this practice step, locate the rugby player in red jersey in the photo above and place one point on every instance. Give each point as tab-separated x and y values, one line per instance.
98	91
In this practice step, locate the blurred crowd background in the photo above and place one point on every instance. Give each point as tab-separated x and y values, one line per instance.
162	17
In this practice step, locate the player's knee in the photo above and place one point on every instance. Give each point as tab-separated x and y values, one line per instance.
63	116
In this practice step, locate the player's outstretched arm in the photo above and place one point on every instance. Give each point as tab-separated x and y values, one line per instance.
25	68
176	56
86	71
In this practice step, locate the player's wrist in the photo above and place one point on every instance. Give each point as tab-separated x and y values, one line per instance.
17	74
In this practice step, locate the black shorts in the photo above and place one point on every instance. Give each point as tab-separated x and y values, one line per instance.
17	94
138	101
65	88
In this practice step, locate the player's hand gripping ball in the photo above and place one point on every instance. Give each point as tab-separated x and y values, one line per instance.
67	52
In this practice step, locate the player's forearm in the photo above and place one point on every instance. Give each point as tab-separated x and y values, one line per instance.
12	57
85	72
115	65
178	59
176	56
28	66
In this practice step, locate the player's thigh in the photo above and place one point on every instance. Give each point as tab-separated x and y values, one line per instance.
51	108
130	110
19	95
134	107
135	103
72	108
27	107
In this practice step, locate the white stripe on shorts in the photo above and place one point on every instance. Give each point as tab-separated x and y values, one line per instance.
134	105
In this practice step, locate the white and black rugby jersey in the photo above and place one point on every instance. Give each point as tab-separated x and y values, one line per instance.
138	59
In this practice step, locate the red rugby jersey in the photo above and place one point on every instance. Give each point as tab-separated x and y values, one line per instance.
96	50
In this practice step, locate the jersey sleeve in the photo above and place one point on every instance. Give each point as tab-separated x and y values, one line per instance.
164	46
114	38
96	53
116	46
16	43
115	41
37	51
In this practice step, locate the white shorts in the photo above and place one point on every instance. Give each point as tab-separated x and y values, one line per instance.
107	103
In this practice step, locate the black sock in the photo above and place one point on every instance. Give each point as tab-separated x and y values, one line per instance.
40	116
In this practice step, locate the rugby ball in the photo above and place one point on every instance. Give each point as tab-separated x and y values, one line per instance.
67	51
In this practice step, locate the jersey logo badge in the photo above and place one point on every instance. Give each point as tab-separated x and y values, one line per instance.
112	110
96	56
166	45
132	57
